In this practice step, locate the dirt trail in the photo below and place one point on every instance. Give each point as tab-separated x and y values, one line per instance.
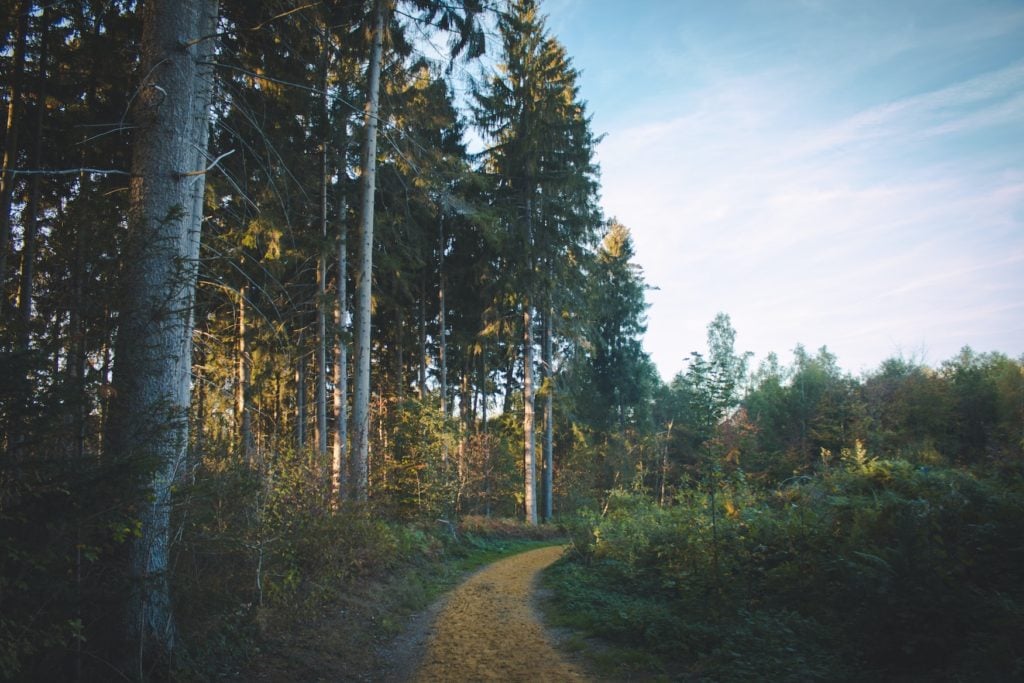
489	630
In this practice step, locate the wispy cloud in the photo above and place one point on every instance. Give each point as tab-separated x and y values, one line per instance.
820	232
826	172
984	100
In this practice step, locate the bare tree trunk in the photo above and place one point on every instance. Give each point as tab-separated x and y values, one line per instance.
106	374
549	391
243	409
399	359
339	460
10	150
486	438
664	464
506	406
321	363
28	251
199	440
300	396
77	351
466	395
321	270
153	361
465	417
442	334
364	271
442	349
529	438
483	392
281	413
421	378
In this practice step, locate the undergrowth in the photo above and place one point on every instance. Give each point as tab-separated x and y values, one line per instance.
873	570
274	583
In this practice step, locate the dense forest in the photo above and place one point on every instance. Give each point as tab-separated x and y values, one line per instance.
291	289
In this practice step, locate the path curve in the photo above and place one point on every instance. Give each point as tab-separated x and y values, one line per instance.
489	630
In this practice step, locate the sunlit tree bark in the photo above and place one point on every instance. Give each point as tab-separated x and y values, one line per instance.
243	409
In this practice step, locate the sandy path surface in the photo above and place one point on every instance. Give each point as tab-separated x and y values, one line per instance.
489	630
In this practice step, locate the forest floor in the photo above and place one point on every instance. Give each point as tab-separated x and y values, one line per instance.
488	628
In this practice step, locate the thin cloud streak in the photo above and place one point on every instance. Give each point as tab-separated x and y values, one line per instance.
934	113
747	197
826	173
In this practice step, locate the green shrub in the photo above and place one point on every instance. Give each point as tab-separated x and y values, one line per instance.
875	566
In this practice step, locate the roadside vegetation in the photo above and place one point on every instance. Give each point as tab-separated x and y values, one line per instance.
294	591
872	570
818	527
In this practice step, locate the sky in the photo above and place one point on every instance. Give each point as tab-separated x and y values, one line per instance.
827	172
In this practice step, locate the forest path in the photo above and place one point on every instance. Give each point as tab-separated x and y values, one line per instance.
488	629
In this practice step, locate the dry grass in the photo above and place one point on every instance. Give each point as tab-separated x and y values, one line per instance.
507	528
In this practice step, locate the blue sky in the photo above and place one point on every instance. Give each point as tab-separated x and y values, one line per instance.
847	173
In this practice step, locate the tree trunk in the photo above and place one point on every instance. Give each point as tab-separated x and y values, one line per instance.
281	413
321	270
442	335
364	270
300	397
199	440
399	359
10	151
486	439
664	464
483	392
529	438
421	377
77	351
321	364
468	396
506	405
465	415
243	410
442	321
339	465
152	372
28	251
549	391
